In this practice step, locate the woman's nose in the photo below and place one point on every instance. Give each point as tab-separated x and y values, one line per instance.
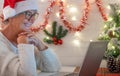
32	20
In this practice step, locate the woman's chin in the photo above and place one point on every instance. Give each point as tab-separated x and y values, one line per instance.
25	30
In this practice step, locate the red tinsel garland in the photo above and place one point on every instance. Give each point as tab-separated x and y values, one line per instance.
83	20
46	17
101	9
69	25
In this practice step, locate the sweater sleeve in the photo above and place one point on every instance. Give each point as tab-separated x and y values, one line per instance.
21	64
48	61
26	55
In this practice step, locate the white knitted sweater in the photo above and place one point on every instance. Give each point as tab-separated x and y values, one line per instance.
24	60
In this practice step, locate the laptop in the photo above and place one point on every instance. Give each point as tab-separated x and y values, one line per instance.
92	60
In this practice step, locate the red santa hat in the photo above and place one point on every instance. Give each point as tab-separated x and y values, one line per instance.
14	7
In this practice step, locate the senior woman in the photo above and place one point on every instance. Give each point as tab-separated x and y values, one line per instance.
21	52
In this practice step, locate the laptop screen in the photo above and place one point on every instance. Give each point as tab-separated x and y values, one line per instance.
93	58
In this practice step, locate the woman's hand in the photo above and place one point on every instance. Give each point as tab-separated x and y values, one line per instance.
30	38
22	38
37	42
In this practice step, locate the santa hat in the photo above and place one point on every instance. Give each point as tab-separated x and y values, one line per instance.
14	7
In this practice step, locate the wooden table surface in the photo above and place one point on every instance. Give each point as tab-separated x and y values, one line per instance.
101	72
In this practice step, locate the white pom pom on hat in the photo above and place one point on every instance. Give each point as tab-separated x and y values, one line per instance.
14	7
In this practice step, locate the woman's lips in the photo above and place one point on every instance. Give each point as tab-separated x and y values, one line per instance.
27	24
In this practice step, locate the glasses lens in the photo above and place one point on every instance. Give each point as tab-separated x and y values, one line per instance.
28	15
36	15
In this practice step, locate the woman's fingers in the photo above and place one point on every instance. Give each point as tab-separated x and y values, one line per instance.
28	34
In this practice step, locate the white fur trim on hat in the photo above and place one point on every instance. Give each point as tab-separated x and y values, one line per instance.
19	8
26	5
8	12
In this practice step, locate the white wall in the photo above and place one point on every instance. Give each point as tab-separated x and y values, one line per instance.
69	53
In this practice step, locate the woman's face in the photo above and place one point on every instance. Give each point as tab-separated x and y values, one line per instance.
21	22
29	18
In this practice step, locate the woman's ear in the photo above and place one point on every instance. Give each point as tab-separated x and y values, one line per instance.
1	18
6	21
2	25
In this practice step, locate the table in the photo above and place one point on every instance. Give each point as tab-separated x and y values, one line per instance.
101	72
105	72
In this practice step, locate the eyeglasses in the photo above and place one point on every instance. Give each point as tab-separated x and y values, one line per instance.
30	15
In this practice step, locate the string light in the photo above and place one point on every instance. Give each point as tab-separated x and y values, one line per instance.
100	35
74	18
48	26
64	0
105	26
77	34
57	14
110	19
108	7
91	40
76	42
113	47
42	0
118	11
73	9
114	52
68	6
47	38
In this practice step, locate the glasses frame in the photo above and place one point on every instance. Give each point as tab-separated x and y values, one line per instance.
29	15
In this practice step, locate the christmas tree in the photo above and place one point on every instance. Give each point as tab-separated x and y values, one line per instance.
111	32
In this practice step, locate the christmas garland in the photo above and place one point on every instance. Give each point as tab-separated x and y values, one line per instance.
56	35
69	25
84	18
101	9
46	17
66	23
